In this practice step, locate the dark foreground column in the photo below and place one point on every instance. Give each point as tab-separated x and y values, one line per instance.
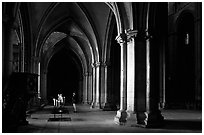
108	103
147	82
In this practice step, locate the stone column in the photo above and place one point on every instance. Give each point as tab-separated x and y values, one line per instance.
108	105
43	87
80	94
121	116
22	59
96	90
98	95
87	80
39	76
147	81
162	75
93	87
103	84
131	34
85	90
198	59
7	48
89	91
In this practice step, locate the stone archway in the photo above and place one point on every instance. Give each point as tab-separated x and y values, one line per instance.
71	59
63	75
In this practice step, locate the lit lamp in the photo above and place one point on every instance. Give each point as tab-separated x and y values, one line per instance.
64	100
54	102
187	39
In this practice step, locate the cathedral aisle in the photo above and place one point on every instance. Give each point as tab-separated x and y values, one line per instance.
88	120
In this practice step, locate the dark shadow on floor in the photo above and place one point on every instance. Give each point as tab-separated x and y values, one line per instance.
78	119
182	125
59	119
29	129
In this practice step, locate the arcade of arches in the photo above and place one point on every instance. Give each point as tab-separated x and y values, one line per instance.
133	58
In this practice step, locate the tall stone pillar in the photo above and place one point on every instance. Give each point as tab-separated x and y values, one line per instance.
96	89
89	90
98	95
121	116
147	81
131	34
162	76
7	48
22	59
85	90
43	89
93	87
80	92
39	76
103	84
108	105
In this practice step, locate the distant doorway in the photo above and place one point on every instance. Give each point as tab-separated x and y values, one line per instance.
63	75
185	62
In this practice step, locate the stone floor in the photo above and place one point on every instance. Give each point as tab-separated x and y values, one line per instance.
88	120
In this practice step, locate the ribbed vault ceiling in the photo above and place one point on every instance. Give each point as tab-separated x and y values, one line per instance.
85	22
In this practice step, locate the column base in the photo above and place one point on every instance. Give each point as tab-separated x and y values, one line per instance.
109	107
95	105
89	102
131	119
149	119
43	101
162	105
85	102
121	117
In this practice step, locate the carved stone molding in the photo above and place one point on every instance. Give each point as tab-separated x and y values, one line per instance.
93	65
143	35
130	34
96	64
122	38
148	35
127	36
105	64
87	74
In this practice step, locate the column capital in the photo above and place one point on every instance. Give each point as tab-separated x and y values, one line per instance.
96	64
122	38
127	36
87	74
144	35
148	35
92	65
105	64
131	34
